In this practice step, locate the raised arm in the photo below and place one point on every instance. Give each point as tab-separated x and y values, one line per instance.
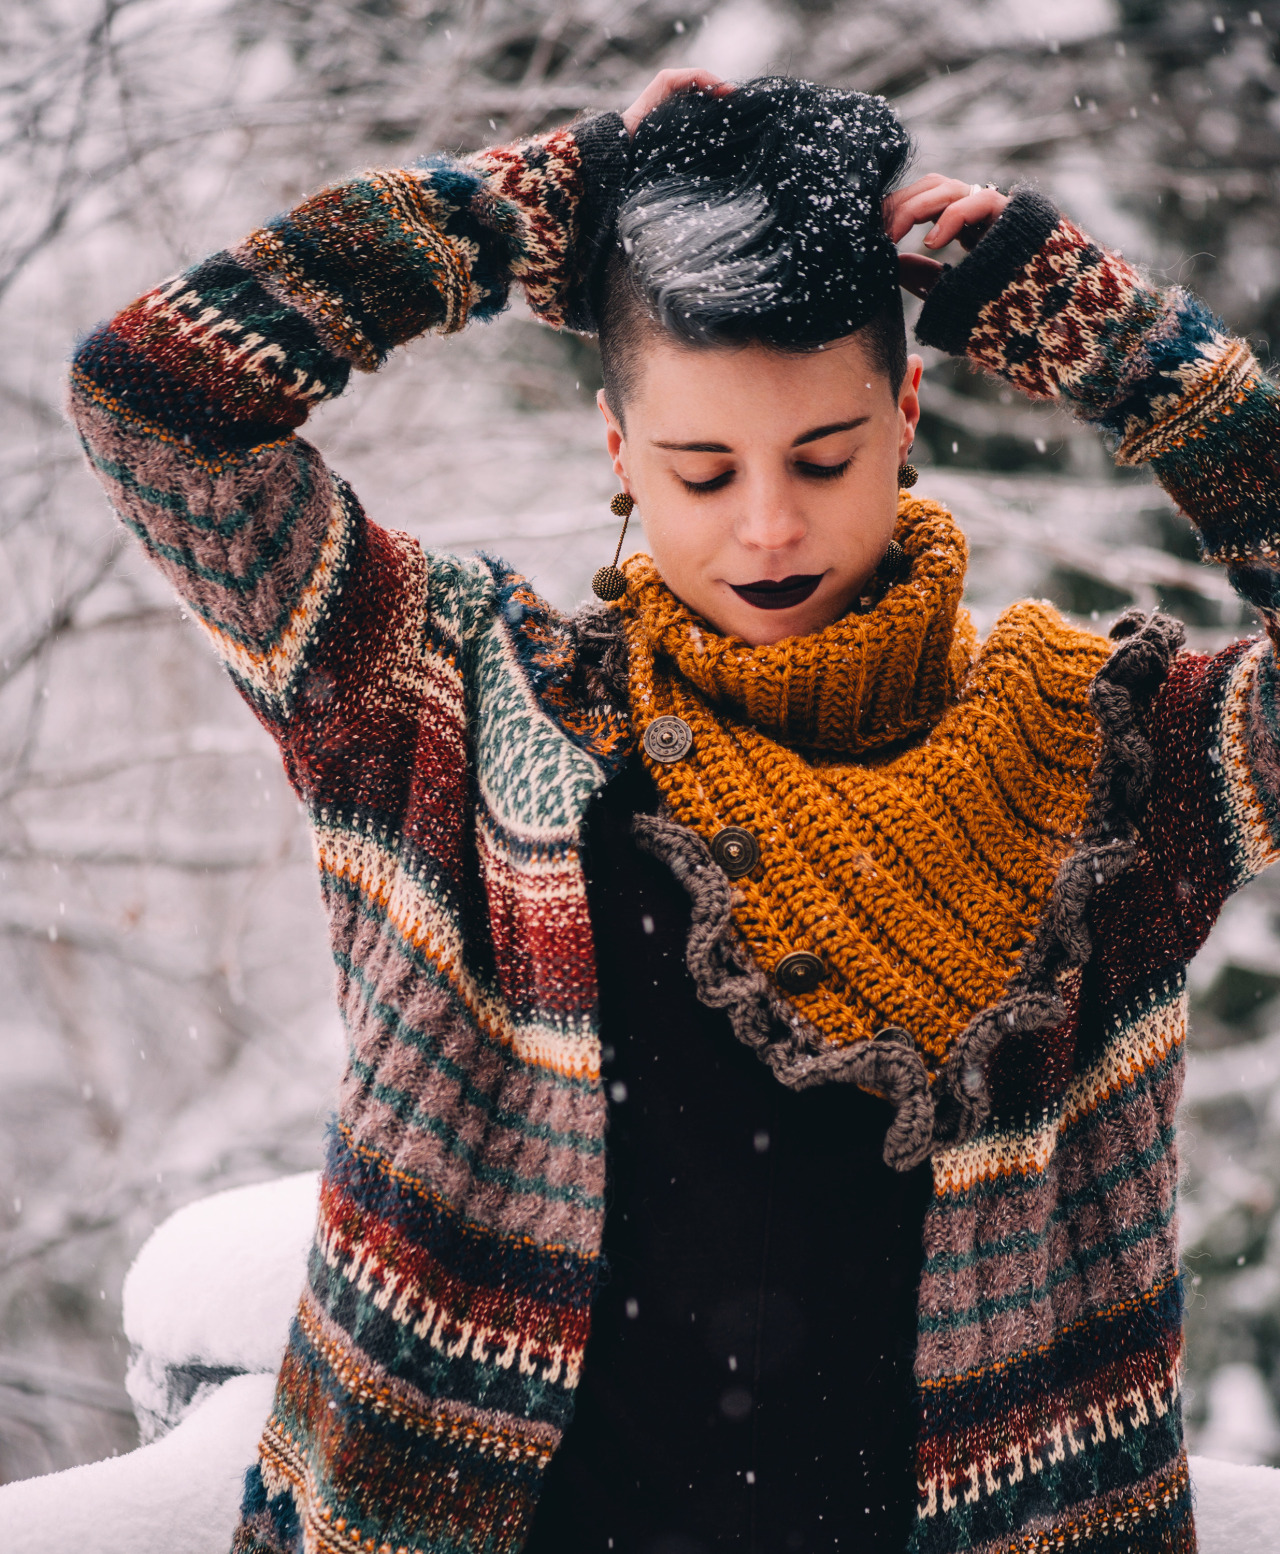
188	401
1039	303
1061	318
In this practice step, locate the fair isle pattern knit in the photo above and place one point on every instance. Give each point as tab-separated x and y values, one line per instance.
426	718
1050	1320
1050	1307
445	730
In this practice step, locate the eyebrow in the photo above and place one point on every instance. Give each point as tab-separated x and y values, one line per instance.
815	435
825	431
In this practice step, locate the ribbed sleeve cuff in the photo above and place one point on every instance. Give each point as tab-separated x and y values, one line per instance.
605	149
953	307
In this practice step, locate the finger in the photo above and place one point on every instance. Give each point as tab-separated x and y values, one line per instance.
911	190
918	274
975	210
666	83
924	201
695	75
685	78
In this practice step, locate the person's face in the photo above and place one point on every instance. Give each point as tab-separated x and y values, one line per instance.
755	467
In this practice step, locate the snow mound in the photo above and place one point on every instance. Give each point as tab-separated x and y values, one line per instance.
1237	1508
178	1496
212	1293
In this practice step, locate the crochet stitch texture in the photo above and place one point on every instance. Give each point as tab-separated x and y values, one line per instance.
446	730
919	877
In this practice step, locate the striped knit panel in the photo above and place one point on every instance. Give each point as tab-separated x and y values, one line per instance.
426	714
431	1367
1050	1302
1050	1309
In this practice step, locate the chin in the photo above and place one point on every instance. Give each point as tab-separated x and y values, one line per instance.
766	633
762	628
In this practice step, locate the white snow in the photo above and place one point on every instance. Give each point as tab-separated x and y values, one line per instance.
181	1495
218	1282
1237	1508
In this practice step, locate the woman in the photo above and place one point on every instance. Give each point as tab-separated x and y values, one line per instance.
866	942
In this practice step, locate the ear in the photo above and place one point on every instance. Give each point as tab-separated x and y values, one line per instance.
909	406
615	438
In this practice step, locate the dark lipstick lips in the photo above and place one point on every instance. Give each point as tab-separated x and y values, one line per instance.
782	595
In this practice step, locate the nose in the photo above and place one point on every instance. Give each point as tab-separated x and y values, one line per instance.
769	519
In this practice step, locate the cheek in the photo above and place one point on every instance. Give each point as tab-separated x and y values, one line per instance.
672	535
684	544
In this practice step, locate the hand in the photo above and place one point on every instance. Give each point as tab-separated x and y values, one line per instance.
957	210
665	84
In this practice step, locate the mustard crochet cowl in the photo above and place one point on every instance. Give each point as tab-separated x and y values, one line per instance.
906	796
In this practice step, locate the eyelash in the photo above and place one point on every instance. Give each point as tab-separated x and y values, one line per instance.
811	471
825	471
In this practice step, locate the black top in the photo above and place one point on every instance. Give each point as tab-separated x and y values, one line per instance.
747	1381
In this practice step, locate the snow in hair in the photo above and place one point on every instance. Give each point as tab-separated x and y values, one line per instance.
696	254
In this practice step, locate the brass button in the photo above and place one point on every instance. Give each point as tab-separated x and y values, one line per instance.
799	972
735	850
668	739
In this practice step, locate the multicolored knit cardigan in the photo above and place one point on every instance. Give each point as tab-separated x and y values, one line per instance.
446	729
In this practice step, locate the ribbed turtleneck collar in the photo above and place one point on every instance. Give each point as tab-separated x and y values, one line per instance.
865	682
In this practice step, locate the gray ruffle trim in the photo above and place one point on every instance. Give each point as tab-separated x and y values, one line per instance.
728	978
1121	694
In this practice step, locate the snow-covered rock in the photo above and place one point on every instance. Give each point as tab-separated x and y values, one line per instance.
211	1295
1237	1508
180	1495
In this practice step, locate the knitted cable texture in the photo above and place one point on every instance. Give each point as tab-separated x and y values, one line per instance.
918	877
446	731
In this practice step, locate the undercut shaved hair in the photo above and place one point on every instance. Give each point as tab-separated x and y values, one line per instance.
755	218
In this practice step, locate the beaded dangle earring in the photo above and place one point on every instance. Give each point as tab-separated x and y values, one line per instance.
892	564
610	582
894	561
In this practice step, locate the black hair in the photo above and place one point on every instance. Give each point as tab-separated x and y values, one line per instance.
755	217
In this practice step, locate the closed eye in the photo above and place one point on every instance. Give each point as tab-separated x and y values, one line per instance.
824	471
714	484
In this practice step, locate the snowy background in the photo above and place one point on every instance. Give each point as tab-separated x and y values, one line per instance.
165	1015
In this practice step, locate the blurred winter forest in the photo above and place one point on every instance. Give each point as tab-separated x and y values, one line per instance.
166	1025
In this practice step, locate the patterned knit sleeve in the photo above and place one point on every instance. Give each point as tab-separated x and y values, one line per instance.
188	402
1061	318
